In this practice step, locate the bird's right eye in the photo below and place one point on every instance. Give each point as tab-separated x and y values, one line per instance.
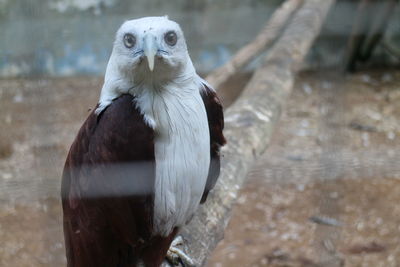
129	40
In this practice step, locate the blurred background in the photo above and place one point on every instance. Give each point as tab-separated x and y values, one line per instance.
332	168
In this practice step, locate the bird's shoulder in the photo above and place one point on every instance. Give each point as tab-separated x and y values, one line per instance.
215	114
117	134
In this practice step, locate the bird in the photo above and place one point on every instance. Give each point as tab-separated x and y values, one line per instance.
147	155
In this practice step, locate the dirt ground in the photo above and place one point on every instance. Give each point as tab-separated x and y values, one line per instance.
323	194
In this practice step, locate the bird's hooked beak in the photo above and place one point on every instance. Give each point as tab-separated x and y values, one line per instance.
150	49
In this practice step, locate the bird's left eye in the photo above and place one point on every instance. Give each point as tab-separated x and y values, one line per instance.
171	38
129	40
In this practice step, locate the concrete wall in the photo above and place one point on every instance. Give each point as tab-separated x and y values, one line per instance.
68	37
74	37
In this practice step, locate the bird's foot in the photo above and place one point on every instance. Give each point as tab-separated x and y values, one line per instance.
176	255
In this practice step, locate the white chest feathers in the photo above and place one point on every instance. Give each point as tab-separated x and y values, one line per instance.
182	153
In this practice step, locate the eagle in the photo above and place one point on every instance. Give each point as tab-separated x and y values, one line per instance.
146	156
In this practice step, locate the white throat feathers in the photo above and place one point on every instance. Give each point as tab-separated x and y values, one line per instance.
182	152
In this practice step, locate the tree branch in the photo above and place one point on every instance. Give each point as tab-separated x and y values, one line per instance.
268	34
249	124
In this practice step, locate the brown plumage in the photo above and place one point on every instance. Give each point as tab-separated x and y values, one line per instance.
108	186
215	118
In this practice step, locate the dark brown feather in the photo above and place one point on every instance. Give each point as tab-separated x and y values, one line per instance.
215	117
107	190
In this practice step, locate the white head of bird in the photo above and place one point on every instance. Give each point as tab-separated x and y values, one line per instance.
148	52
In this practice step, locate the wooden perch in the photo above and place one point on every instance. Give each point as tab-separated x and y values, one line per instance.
268	34
249	124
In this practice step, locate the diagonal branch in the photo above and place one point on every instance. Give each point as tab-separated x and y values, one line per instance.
249	124
269	33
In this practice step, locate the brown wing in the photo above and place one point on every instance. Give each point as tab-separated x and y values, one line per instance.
107	188
215	117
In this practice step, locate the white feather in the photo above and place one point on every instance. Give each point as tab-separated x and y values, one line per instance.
182	153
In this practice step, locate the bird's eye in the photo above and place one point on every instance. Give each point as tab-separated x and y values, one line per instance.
171	38
129	40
